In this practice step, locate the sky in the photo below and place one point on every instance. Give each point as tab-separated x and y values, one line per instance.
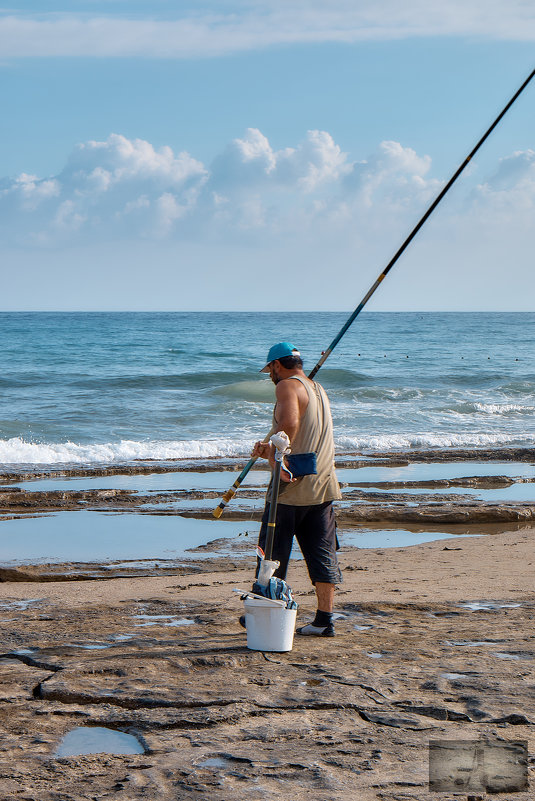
265	154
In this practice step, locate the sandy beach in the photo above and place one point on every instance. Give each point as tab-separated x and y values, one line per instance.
435	643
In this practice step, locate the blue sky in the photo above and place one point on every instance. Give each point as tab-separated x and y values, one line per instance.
264	154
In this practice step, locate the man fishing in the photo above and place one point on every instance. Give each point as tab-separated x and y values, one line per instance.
305	504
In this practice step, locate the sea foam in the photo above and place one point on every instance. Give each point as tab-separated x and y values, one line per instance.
18	451
394	442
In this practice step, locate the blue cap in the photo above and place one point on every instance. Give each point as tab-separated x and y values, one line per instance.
279	351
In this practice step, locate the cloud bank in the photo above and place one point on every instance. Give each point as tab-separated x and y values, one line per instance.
207	32
126	189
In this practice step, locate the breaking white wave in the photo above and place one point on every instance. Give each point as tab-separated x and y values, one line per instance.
18	451
503	408
393	442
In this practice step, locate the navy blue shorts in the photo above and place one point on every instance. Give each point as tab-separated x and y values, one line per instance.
315	530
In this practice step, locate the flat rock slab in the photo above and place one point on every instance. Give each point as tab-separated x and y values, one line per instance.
342	719
435	643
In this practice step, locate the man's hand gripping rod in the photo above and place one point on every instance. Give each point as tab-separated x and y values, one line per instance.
231	492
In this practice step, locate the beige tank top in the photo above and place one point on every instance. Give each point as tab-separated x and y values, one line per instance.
315	434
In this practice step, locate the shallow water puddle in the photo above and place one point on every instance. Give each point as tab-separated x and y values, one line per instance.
427	471
107	536
19	605
456	676
219	762
487	606
515	492
391	538
505	655
204	503
157	620
218	480
214	762
91	646
97	740
143	564
472	643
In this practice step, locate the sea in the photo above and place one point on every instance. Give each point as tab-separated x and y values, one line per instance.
101	388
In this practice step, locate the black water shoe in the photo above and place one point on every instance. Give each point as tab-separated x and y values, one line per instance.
321	626
311	630
241	621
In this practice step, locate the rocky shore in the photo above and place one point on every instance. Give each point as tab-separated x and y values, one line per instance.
434	642
363	501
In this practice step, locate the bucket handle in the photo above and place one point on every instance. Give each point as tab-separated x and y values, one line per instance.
247	594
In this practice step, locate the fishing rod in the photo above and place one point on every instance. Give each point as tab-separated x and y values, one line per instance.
230	493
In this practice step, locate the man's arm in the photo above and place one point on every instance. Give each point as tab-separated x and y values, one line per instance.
288	415
288	411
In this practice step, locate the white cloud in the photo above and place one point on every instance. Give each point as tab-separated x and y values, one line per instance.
119	160
30	192
207	31
115	187
252	194
508	196
251	162
514	170
245	162
66	219
316	161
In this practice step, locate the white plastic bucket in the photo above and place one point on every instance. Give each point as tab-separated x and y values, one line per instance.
270	626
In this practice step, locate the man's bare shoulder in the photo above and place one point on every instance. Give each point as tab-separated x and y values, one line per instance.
290	390
289	386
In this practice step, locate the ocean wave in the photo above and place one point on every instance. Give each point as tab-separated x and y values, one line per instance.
503	408
259	391
18	451
195	381
393	442
493	409
524	387
394	394
334	378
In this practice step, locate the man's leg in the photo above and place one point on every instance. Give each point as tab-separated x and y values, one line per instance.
325	595
316	534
